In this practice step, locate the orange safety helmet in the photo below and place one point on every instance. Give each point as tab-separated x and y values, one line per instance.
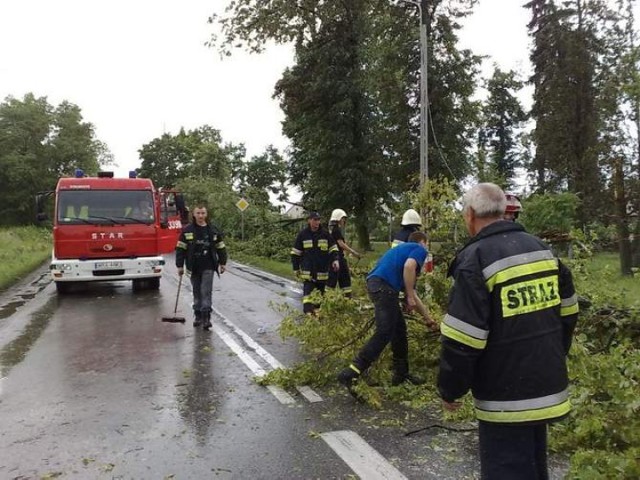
514	207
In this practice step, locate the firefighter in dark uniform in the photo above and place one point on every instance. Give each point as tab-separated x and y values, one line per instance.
342	277
202	250
411	222
508	328
313	254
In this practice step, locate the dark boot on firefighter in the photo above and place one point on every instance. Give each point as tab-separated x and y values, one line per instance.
401	373
197	320
206	319
348	377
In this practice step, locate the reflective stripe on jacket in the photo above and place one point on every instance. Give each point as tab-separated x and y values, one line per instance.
185	247
313	253
512	311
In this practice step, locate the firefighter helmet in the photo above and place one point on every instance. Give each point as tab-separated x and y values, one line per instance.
411	217
514	207
337	215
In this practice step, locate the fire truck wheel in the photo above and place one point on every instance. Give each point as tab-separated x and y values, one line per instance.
64	287
146	283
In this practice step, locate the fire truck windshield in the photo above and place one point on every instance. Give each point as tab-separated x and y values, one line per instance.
105	207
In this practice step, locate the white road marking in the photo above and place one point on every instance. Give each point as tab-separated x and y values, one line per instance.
309	393
305	391
365	462
242	354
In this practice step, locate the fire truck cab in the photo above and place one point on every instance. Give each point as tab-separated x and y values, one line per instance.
107	229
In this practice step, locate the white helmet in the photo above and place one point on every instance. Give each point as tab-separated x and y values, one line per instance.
411	217
337	215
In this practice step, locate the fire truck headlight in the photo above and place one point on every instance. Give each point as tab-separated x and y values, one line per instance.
65	267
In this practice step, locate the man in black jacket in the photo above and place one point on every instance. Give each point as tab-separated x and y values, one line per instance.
201	247
508	328
314	252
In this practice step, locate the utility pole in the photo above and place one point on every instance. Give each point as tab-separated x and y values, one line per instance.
424	97
421	5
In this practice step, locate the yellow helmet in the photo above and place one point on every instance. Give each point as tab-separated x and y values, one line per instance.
337	215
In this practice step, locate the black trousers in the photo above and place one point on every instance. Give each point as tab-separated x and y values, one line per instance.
342	277
513	452
391	326
309	286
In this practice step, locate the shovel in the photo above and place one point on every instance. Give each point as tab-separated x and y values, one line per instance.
175	318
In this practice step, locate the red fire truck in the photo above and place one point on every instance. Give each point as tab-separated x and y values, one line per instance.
107	229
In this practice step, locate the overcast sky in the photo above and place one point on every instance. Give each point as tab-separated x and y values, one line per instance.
139	68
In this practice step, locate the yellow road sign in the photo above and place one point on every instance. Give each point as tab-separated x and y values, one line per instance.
242	204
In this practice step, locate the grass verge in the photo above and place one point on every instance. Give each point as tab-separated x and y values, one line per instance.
22	249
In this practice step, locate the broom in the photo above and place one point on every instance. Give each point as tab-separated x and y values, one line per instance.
175	318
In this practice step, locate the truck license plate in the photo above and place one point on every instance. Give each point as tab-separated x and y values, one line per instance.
108	265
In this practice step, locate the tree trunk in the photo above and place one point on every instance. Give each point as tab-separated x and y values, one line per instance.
362	231
624	248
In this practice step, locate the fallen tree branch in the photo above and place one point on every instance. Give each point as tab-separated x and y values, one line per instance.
443	427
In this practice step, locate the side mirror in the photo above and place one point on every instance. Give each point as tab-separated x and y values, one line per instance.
164	224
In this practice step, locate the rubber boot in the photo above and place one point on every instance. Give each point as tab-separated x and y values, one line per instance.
348	377
206	318
401	373
197	321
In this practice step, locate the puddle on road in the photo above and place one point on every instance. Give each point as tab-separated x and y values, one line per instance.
23	296
10	308
197	397
15	351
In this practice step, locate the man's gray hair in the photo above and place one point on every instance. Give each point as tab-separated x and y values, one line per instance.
486	199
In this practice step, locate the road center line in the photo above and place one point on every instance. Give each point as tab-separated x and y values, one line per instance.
282	396
306	391
363	459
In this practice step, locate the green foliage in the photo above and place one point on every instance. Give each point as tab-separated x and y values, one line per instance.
332	338
603	431
353	95
264	174
443	222
38	144
196	153
503	115
22	249
601	435
581	113
333	158
274	244
549	215
217	174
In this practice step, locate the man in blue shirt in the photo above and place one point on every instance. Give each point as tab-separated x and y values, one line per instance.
396	271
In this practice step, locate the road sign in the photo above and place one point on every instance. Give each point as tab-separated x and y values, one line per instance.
242	204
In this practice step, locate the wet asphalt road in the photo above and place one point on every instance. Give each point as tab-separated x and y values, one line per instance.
94	385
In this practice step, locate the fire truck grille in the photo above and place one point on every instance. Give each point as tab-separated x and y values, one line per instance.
106	273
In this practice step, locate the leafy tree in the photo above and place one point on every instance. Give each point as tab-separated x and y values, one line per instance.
332	159
166	159
356	143
264	174
503	115
38	144
575	57
550	215
73	143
